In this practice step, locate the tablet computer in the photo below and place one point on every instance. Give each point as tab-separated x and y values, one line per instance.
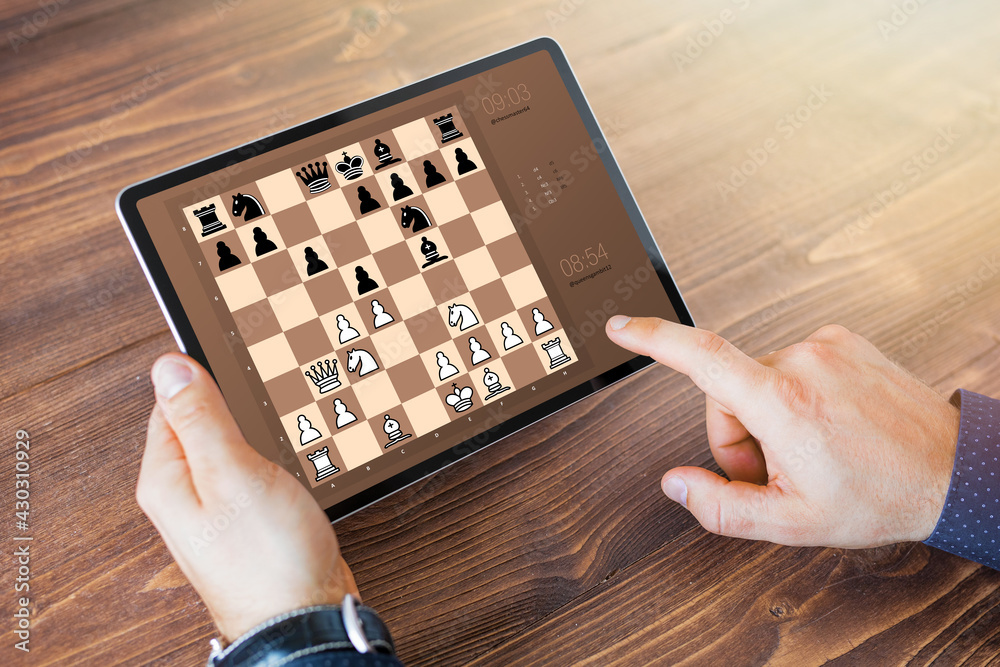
386	289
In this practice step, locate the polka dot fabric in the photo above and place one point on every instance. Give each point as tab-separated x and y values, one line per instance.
969	525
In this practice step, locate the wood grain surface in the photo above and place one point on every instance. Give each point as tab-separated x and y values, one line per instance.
877	207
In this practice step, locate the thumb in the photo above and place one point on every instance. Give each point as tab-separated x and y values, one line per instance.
734	509
195	410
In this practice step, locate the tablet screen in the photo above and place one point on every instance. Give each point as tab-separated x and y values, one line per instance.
375	293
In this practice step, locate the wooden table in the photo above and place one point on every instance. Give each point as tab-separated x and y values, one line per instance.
871	198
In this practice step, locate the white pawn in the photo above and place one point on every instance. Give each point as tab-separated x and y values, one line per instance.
446	368
479	355
307	432
347	332
381	317
510	339
541	324
344	417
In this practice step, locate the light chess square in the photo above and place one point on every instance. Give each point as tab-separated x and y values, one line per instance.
381	290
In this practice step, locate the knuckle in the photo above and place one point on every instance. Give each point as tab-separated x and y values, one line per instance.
833	332
188	416
806	349
795	395
726	520
710	343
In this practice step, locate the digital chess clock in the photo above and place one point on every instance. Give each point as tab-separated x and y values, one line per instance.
384	290
514	96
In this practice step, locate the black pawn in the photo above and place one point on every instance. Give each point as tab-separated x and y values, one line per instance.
365	282
264	244
433	177
227	259
368	203
400	190
313	263
465	165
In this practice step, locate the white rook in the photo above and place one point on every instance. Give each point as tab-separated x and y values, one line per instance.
324	466
556	355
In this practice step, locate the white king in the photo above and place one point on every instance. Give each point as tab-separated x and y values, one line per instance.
460	399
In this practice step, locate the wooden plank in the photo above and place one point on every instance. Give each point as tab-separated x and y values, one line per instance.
558	539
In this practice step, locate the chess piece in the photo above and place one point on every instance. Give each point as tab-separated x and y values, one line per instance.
324	466
465	165
510	339
247	206
445	368
400	190
350	167
414	217
381	317
384	155
344	416
209	220
264	244
430	251
325	378
541	324
368	203
365	282
461	314
433	176
227	259
459	399
479	355
493	384
306	431
347	332
313	263
315	177
391	428
556	355
362	362
446	124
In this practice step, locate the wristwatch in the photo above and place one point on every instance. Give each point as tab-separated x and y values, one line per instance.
321	628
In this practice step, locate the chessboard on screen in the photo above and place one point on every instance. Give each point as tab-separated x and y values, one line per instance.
381	290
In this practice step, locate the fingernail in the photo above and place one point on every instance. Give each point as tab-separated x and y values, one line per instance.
618	321
676	490
170	377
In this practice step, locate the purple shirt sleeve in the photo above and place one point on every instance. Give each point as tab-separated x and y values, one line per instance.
969	525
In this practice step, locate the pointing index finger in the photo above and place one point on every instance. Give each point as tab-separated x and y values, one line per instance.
717	366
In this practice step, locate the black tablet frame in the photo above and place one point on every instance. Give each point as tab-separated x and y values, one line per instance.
166	296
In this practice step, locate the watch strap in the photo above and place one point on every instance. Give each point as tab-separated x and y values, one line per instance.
320	628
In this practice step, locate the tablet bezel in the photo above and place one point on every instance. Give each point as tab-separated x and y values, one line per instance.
180	326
